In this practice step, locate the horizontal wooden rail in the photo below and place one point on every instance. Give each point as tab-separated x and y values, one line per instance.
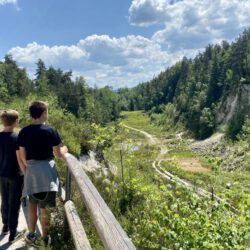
80	239
108	228
79	236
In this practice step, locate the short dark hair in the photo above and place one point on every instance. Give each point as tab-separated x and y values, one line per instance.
9	117
36	109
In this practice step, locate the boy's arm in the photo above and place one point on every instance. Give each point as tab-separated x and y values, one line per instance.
60	151
21	158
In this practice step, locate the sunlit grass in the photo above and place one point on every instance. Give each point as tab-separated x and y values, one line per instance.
146	189
225	184
140	120
228	185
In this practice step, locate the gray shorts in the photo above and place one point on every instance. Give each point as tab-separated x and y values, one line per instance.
44	199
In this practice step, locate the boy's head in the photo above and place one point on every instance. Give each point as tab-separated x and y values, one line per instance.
9	117
37	108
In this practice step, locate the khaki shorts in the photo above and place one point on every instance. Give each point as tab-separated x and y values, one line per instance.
44	199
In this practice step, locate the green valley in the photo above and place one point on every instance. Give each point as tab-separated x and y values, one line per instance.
165	214
171	156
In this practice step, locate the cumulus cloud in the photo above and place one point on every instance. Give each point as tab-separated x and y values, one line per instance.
191	24
102	60
3	2
148	12
53	55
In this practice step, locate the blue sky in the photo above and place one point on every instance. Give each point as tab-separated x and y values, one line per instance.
115	42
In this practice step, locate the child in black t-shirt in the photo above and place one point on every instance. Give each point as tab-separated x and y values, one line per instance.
38	144
11	177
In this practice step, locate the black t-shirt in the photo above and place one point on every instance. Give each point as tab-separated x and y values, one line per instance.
8	161
38	141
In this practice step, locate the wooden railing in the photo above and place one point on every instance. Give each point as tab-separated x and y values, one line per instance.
108	228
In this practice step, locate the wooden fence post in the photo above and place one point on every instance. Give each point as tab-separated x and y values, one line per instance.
67	198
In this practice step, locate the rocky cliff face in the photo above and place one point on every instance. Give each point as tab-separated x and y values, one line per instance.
237	101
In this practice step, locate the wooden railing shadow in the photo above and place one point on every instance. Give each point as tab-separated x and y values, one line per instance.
108	228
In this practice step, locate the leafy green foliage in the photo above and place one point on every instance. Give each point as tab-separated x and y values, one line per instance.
161	215
235	125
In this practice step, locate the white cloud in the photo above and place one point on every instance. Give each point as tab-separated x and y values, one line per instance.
148	12
102	60
3	2
53	55
191	24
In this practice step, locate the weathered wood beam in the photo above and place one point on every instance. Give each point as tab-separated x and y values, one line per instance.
108	228
79	236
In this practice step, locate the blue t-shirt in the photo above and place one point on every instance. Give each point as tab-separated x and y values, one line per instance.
8	161
38	141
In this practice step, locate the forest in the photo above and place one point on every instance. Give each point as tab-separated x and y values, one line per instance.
194	91
187	103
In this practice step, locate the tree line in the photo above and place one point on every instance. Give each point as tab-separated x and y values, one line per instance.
97	105
194	91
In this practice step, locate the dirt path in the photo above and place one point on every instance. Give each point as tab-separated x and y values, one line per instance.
168	176
188	164
152	139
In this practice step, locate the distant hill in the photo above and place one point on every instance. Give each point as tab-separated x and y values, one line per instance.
204	92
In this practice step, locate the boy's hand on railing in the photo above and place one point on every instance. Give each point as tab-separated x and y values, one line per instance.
60	151
63	151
